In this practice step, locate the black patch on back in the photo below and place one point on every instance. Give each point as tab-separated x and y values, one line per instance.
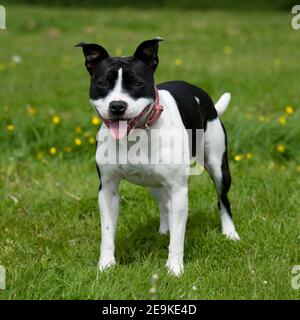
194	115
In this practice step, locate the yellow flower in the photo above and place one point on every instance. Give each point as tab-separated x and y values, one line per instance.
298	168
92	140
95	121
280	148
277	61
40	155
66	60
31	110
56	120
118	52
249	155
178	62
227	50
53	150
78	129
238	157
67	149
262	118
10	127
78	142
289	109
271	166
2	66
282	120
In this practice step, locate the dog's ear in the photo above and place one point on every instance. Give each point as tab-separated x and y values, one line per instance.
93	53
147	52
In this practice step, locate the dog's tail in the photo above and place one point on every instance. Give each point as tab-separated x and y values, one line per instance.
222	103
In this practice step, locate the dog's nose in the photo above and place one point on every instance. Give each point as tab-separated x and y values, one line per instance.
117	107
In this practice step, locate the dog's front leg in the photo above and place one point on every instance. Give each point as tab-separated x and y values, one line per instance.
108	199
178	211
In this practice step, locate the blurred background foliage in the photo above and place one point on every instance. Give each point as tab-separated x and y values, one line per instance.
184	4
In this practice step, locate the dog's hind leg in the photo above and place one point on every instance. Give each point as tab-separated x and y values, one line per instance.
160	196
216	163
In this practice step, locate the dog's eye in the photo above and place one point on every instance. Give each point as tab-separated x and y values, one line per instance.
138	84
102	84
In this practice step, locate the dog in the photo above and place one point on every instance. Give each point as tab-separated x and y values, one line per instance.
124	95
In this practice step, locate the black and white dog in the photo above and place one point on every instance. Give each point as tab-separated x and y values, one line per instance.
124	95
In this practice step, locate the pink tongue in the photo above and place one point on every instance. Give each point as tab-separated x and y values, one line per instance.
118	129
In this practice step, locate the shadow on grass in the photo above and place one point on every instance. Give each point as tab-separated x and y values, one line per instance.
144	242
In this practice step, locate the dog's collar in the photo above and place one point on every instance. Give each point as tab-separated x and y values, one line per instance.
151	118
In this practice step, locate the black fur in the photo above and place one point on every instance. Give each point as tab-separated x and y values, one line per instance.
194	115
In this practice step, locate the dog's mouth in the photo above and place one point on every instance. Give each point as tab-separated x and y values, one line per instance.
118	128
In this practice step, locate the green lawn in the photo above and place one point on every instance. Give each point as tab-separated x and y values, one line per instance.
49	221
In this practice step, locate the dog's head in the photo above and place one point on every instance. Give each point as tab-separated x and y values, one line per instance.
121	87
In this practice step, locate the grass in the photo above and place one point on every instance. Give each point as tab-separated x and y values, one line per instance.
49	221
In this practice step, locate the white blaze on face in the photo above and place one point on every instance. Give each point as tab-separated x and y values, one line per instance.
135	105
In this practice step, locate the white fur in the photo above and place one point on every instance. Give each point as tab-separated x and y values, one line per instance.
222	103
168	183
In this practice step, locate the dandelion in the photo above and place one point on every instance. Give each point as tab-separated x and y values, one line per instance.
289	109
280	148
10	127
67	149
262	118
178	62
118	52
53	151
40	155
282	120
95	120
2	66
56	120
227	50
298	168
277	61
78	142
238	157
66	60
194	288
92	140
78	130
271	166
31	110
249	155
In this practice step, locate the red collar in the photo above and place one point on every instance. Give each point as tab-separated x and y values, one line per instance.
151	118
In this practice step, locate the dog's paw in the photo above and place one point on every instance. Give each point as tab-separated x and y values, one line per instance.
163	229
233	235
175	266
106	262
